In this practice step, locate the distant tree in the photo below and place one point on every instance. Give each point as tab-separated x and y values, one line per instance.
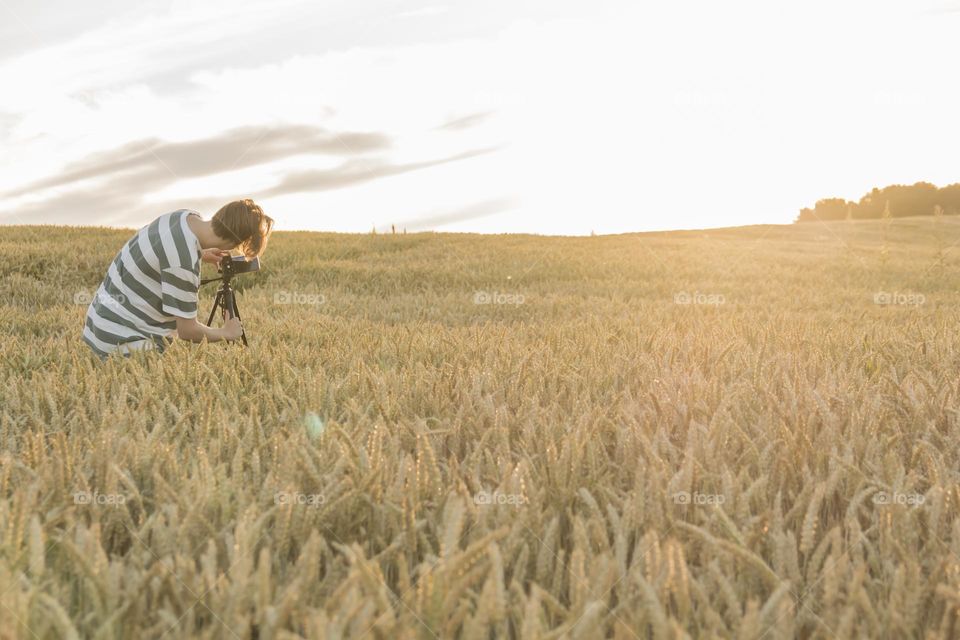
950	199
897	200
870	205
827	209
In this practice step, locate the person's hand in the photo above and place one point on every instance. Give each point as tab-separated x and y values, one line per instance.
213	256
232	329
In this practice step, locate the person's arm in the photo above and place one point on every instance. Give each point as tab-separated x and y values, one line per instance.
192	330
179	284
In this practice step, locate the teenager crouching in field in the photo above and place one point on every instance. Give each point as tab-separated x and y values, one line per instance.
149	295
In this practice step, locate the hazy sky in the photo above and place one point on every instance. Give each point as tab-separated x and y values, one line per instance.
496	116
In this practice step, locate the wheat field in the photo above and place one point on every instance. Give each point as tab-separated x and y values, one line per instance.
739	433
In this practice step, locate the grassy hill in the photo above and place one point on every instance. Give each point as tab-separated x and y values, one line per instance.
745	432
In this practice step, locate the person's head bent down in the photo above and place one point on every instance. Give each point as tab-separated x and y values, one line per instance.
239	225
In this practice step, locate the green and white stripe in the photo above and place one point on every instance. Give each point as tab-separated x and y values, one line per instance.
153	281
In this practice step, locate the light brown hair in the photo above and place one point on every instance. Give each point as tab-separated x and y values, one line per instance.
244	222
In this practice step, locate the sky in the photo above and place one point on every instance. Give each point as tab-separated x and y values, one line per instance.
532	116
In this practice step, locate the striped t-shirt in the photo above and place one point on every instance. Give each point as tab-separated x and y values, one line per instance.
152	282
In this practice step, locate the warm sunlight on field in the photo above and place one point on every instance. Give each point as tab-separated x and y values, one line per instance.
745	433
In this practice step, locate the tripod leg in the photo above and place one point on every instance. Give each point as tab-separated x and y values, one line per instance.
227	304
216	303
236	312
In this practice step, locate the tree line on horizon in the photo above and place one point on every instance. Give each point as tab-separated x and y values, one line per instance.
898	201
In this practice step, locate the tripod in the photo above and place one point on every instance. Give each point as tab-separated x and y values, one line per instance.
226	301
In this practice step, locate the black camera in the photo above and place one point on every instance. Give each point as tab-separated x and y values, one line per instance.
235	265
